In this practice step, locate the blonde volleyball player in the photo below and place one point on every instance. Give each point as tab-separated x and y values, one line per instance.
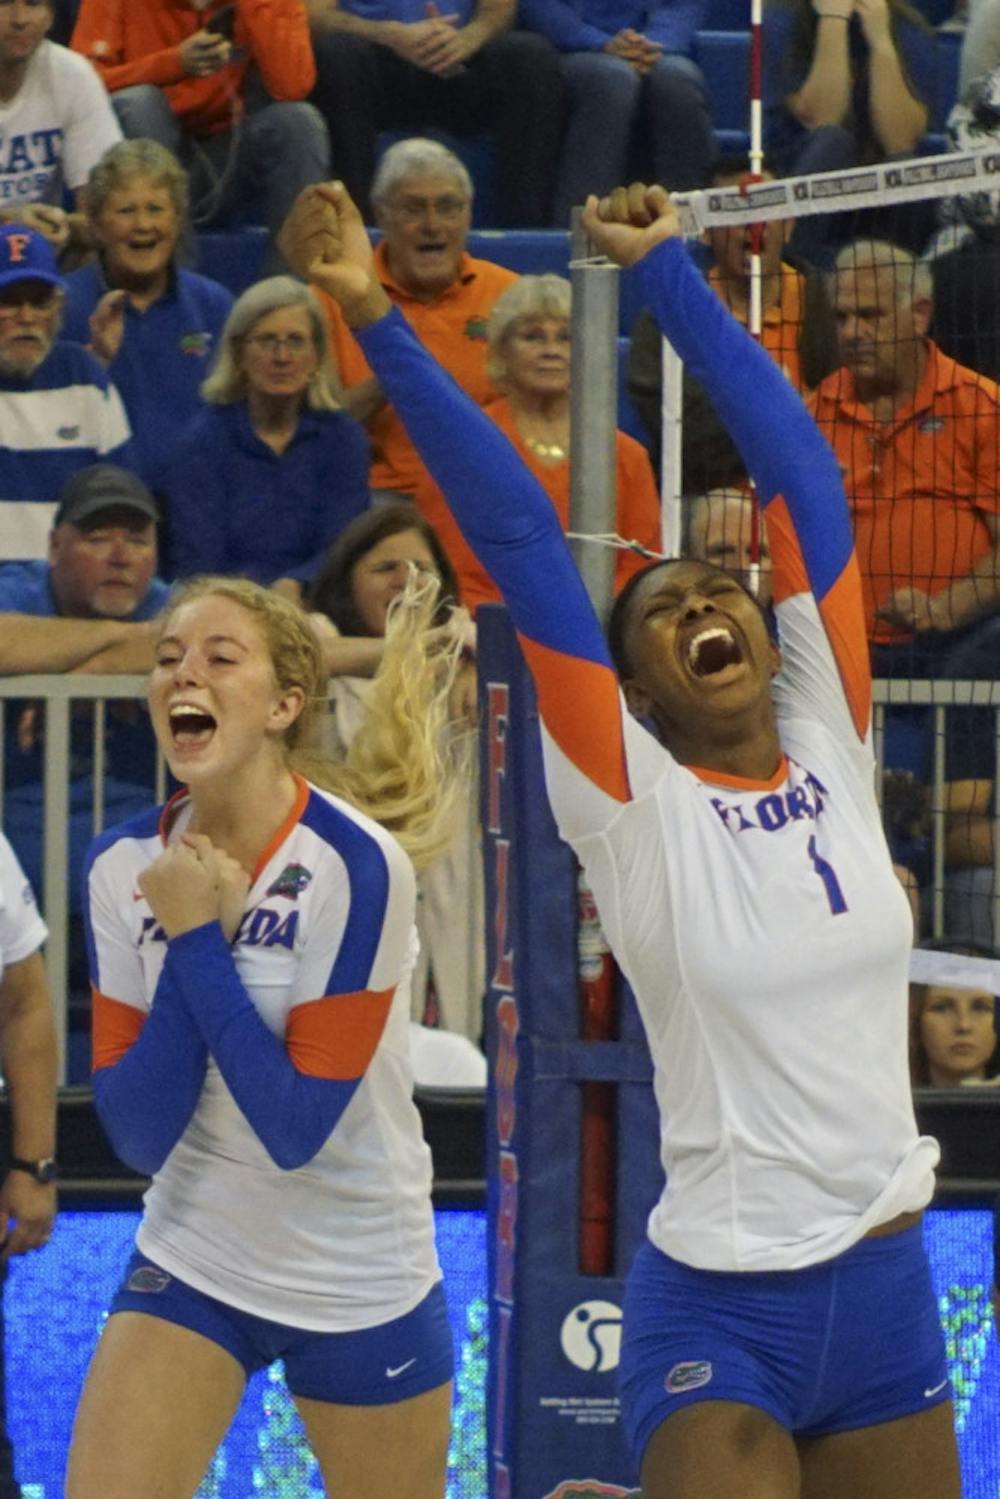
251	944
781	1336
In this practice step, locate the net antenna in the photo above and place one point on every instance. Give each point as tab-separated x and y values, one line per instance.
757	229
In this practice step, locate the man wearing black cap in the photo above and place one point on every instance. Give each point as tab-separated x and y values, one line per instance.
58	410
91	603
90	608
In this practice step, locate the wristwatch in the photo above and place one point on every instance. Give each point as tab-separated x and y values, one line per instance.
44	1171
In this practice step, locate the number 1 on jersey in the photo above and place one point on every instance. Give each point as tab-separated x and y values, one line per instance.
831	885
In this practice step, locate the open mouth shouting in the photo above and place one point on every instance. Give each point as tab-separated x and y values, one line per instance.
714	651
191	727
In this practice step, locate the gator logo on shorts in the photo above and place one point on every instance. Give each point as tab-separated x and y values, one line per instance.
148	1278
475	327
591	1488
690	1375
292	880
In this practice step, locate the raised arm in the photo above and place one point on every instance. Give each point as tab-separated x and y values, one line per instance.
502	511
792	464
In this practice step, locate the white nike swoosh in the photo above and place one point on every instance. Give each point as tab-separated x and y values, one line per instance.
927	1393
393	1373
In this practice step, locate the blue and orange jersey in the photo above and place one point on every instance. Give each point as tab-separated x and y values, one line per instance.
759	923
297	1030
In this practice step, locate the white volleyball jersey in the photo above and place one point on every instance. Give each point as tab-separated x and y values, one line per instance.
766	939
346	1241
760	926
22	930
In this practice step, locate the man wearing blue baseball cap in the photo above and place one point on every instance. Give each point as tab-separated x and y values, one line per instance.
58	410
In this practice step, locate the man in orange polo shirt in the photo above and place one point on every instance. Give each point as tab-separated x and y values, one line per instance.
222	84
422	196
918	439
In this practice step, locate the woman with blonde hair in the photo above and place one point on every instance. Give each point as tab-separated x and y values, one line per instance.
251	944
356	589
154	324
528	361
271	469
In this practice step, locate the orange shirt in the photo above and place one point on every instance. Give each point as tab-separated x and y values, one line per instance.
920	487
138	41
452	327
781	325
637	516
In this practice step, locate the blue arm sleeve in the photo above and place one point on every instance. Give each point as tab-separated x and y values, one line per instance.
146	1099
501	509
778	439
565	28
291	1114
674	25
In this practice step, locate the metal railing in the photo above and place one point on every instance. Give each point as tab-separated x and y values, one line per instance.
60	694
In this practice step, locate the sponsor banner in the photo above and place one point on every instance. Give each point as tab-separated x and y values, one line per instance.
828	192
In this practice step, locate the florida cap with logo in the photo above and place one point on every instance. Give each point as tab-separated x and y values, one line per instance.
26	255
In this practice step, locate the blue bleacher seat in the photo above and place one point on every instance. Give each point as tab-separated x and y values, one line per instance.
727	15
528	251
628	419
724	58
949	50
233	256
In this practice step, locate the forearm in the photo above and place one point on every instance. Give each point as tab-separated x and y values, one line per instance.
562	26
898	120
363	400
520	543
28	1046
825	96
353	655
491	19
968	597
146	1099
969	840
291	1114
326	15
754	400
29	643
134	653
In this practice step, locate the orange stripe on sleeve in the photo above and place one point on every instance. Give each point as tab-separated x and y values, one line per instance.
790	575
336	1037
115	1029
842	614
581	708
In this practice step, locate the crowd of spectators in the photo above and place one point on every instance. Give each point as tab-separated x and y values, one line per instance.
153	427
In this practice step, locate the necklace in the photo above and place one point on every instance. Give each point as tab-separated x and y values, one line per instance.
545	449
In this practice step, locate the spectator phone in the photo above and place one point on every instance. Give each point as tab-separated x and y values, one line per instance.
223	21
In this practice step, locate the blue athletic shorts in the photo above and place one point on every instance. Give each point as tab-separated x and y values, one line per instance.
375	1366
849	1343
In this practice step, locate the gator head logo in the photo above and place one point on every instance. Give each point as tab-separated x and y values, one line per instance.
476	328
690	1375
590	1488
292	880
197	344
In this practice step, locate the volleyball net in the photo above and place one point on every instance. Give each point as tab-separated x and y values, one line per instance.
571	1125
878	292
